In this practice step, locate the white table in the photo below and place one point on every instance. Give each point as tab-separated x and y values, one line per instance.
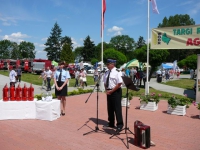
47	110
17	110
30	110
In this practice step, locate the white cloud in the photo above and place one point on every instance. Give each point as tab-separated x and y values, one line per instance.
195	9
185	3
7	21
116	30
39	45
75	43
44	39
16	37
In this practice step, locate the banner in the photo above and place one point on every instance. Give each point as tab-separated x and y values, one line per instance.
178	37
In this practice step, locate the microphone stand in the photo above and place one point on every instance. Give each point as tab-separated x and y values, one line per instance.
97	119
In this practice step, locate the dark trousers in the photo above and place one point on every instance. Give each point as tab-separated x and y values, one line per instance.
114	108
144	81
19	78
48	83
76	83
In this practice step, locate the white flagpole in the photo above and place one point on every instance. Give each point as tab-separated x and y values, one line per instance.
147	76
102	27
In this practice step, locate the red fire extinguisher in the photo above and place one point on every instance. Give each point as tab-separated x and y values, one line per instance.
5	93
12	93
24	93
30	93
18	93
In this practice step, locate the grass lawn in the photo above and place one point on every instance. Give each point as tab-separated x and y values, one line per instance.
33	78
181	83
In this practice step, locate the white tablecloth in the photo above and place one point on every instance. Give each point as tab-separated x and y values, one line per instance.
30	110
17	110
47	110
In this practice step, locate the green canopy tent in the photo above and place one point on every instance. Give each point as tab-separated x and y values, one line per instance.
132	63
54	63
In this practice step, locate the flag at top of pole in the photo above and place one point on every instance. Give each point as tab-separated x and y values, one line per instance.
102	16
154	6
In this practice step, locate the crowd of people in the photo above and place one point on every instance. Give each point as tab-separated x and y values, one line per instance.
136	74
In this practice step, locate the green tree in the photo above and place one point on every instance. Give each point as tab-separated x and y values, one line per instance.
94	60
77	53
15	52
53	44
98	49
140	42
88	51
114	54
27	49
156	57
124	44
189	62
66	54
5	47
178	20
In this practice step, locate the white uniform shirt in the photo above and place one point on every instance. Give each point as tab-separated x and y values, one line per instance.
48	73
12	76
114	79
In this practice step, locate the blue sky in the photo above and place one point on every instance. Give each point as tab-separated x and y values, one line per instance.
32	20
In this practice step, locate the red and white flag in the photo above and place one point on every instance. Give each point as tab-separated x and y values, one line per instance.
154	6
103	12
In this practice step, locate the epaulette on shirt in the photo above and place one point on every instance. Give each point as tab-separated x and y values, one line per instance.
118	70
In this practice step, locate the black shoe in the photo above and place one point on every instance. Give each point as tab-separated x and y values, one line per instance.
108	126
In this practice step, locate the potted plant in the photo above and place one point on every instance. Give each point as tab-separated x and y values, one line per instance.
198	107
124	99
177	106
149	102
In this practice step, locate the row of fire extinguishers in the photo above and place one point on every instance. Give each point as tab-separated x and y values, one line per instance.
18	93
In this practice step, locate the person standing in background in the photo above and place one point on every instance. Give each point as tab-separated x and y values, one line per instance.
48	76
96	76
43	76
19	73
113	82
76	73
127	72
12	76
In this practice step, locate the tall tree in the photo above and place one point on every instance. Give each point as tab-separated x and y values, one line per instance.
98	49
124	44
178	20
112	53
140	42
77	53
5	47
15	52
156	57
53	44
88	51
66	54
27	49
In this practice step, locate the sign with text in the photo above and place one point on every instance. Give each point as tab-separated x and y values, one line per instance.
178	37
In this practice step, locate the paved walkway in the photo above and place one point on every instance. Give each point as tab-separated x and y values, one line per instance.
168	132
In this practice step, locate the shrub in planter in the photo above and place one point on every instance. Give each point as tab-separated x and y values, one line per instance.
182	101
153	97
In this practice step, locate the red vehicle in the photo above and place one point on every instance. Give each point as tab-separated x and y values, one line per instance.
26	65
39	64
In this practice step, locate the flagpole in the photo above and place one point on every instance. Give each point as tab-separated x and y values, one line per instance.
147	76
102	27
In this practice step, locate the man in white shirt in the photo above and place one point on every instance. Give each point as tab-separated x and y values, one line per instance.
48	76
12	76
112	82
